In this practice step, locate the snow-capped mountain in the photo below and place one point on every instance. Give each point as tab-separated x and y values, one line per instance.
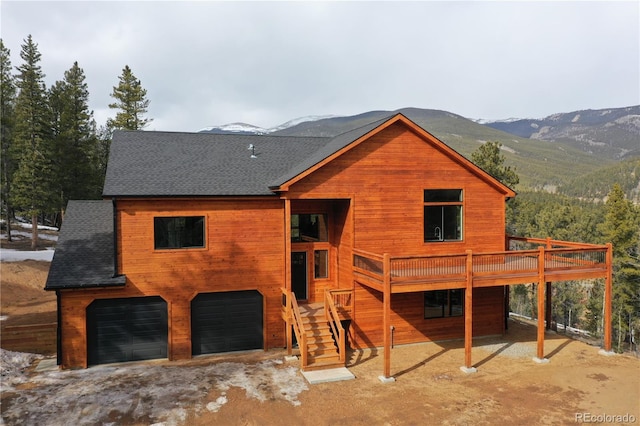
249	129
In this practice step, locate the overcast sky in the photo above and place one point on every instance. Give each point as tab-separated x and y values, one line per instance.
263	63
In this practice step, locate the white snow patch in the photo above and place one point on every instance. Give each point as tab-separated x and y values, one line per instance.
13	366
249	128
576	118
22	223
42	236
215	406
9	255
162	394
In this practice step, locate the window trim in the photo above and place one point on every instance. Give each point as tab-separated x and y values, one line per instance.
443	205
168	249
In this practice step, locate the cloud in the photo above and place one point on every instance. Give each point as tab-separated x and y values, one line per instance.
206	63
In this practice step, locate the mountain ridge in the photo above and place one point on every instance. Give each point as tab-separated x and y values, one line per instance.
542	163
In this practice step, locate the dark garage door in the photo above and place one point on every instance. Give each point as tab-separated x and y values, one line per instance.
226	321
129	329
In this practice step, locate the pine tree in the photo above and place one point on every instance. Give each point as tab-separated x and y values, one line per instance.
131	100
621	228
7	124
75	138
31	192
489	158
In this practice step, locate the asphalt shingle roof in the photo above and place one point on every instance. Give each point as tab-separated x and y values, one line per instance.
171	164
84	255
200	164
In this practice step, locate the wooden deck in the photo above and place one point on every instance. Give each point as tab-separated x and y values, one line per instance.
423	273
529	260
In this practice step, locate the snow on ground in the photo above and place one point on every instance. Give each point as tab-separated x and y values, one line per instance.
8	255
159	393
28	235
12	367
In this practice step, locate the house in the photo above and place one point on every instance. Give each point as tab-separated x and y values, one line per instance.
210	243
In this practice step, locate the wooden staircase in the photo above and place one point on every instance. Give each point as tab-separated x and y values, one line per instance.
322	351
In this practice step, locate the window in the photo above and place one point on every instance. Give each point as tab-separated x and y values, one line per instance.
309	227
443	303
321	263
442	215
178	232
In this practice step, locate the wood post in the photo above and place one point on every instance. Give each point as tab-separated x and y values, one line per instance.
386	307
541	287
288	325
468	312
607	299
287	273
548	312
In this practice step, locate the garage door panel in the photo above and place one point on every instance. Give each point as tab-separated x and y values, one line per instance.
127	330
226	322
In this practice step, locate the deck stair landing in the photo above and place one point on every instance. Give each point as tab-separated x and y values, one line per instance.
321	346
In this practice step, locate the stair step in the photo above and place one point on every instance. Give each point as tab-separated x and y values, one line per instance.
327	340
314	352
324	357
321	348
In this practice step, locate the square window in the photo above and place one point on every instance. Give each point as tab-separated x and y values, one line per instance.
178	232
309	228
442	215
443	303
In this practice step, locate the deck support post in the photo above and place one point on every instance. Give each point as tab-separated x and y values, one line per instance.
548	312
468	316
608	285
541	316
386	318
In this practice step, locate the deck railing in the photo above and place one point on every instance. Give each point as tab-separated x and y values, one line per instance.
343	301
528	257
331	314
291	313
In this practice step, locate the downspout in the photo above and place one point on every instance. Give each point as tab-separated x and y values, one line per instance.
115	238
58	329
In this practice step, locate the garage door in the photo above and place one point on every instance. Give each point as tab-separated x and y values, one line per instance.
129	329
226	321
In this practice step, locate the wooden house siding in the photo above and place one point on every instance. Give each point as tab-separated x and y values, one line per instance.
387	175
244	250
410	326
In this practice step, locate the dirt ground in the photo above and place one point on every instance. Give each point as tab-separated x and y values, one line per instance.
578	384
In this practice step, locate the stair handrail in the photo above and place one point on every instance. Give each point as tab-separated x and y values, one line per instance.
331	315
298	325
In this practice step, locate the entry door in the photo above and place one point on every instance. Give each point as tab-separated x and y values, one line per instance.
299	275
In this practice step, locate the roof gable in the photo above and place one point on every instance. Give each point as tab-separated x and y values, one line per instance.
347	141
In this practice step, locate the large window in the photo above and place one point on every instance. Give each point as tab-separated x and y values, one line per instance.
443	303
309	227
178	232
442	215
